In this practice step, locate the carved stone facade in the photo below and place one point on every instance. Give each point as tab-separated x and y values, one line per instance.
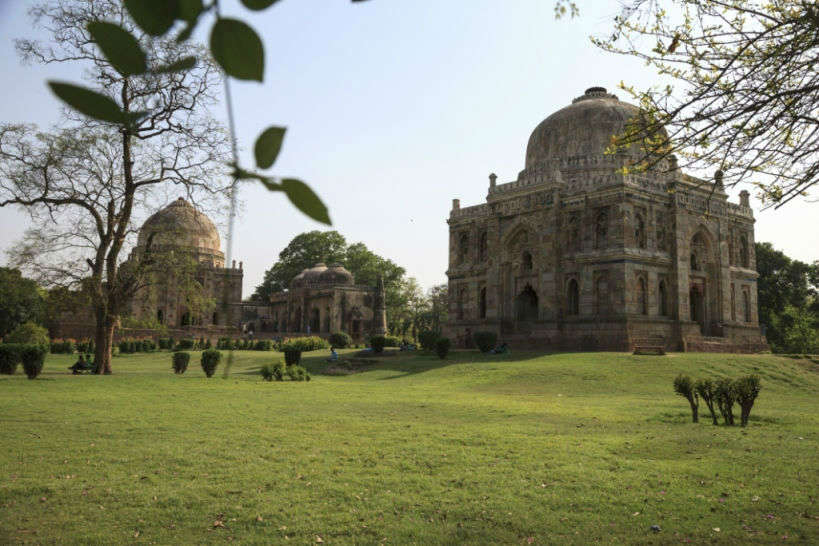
575	254
322	300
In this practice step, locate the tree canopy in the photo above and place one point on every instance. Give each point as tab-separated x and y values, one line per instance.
20	300
737	91
787	296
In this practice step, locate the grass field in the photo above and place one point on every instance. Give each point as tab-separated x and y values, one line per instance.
523	448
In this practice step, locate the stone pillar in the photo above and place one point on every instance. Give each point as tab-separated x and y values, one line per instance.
456	204
379	310
744	198
493	178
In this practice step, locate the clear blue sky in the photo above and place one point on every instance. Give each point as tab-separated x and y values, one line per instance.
393	109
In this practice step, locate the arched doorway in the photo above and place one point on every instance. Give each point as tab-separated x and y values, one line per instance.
315	320
526	304
697	303
573	298
185	319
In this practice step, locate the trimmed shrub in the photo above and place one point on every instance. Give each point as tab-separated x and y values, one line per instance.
340	340
392	341
706	390
180	361
442	347
147	345
297	373
210	360
309	343
64	346
427	339
163	343
9	357
207	344
684	386
726	396
263	345
33	357
185	345
132	346
746	389
485	341
378	343
292	354
29	333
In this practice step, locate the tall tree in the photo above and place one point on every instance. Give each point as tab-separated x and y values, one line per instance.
82	184
738	91
783	284
20	300
303	251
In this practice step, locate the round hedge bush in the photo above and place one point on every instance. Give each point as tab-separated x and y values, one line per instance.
210	360
340	340
180	360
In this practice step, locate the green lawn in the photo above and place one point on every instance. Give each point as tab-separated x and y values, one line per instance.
524	448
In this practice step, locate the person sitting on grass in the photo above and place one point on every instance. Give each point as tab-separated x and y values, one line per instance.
333	355
80	366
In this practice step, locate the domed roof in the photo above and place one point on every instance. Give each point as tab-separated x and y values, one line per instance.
585	127
336	274
309	276
181	225
320	275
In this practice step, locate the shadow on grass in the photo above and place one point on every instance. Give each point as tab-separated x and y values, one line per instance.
411	363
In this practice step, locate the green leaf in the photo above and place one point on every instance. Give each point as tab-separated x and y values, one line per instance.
119	47
185	63
305	200
189	10
155	17
88	102
268	146
257	5
238	49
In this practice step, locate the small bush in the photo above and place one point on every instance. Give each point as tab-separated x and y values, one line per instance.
726	396
123	346
180	361
64	346
210	360
185	345
29	333
263	345
297	373
392	341
706	390
273	371
147	346
746	389
684	386
377	343
132	346
340	340
9	357
485	341
310	343
442	347
207	344
33	356
427	339
163	343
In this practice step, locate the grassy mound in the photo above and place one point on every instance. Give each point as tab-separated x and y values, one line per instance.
562	448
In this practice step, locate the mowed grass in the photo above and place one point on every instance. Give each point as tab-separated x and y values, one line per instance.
522	448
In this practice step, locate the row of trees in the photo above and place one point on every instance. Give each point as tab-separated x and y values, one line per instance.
409	309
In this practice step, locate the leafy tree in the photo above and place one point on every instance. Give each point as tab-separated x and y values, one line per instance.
307	249
786	291
20	300
303	251
82	183
797	331
742	91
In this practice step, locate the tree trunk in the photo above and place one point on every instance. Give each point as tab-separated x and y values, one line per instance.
104	340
